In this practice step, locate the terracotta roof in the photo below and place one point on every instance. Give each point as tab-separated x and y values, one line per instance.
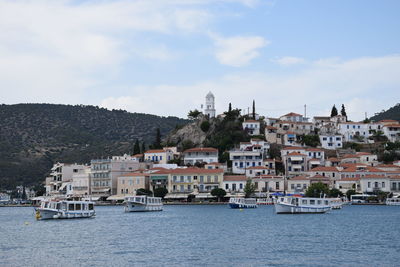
348	165
201	149
214	163
314	149
387	166
392	125
290	132
252	121
334	159
235	178
271	127
374	176
350	156
292	114
387	121
154	151
324	169
314	159
137	155
364	154
189	171
293	148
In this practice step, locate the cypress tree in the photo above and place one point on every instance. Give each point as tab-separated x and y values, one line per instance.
230	107
136	148
343	111
157	141
334	111
143	148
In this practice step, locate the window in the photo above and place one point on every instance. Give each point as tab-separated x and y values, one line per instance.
383	184
376	184
241	186
189	187
277	185
292	186
137	180
174	187
126	191
369	184
312	202
226	186
304	201
182	188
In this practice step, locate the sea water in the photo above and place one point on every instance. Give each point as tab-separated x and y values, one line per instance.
203	235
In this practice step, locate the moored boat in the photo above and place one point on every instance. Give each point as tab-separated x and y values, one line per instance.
336	203
292	205
242	203
143	203
64	209
394	201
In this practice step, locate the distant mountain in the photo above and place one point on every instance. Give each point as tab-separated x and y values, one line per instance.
392	113
34	136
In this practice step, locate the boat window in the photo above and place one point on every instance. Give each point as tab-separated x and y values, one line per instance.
303	201
319	202
78	206
312	202
58	206
70	206
90	206
326	202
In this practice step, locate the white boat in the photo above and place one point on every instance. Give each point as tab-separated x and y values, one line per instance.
336	203
265	201
290	204
143	203
393	201
64	209
242	203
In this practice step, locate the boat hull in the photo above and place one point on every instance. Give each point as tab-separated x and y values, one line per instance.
291	209
138	207
47	214
242	206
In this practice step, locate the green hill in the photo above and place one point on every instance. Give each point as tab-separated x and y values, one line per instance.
34	136
392	113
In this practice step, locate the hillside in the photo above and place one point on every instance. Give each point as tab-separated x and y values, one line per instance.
392	113
34	136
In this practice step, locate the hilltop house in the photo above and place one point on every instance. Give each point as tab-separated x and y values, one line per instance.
200	155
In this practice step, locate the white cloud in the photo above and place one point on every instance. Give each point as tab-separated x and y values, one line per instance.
239	50
362	84
287	61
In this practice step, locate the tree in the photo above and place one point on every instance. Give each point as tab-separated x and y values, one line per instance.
136	148
249	188
343	111
157	141
230	107
317	190
219	193
310	140
193	114
205	126
334	111
143	149
187	144
23	197
350	192
143	192
160	192
254	109
334	192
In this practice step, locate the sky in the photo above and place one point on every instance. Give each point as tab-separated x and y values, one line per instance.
163	56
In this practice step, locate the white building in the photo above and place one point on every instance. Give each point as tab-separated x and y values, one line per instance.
249	154
234	184
210	105
200	155
252	127
60	176
81	182
331	141
293	117
392	132
161	156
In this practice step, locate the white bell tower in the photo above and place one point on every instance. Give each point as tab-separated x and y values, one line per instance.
210	105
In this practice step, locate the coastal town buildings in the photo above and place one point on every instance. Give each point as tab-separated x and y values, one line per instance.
252	127
161	156
60	177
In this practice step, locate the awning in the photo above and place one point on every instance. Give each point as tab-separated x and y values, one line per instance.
116	197
91	198
277	194
101	190
204	195
175	196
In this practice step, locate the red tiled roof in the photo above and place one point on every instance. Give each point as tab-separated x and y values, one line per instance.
258	168
392	125
333	159
291	114
350	179
293	148
363	153
314	149
154	151
252	121
374	176
387	121
271	176
201	149
137	155
235	178
324	169
190	171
